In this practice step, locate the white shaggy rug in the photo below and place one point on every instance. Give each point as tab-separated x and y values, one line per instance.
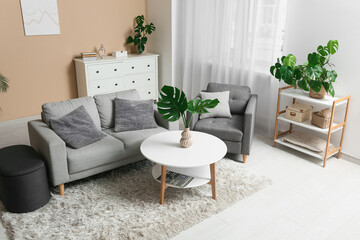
124	204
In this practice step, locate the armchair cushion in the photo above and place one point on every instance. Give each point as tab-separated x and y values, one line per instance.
239	95
228	129
106	106
222	109
105	151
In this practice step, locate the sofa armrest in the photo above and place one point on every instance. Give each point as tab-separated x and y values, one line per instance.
52	148
249	124
172	126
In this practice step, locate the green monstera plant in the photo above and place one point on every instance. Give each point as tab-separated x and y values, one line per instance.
314	74
173	104
141	30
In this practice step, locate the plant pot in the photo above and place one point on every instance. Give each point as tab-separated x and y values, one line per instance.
186	140
318	95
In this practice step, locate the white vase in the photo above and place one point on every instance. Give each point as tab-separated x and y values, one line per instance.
186	140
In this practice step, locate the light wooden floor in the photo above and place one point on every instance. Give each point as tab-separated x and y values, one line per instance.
305	200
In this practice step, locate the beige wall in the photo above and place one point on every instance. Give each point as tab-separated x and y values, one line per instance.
41	68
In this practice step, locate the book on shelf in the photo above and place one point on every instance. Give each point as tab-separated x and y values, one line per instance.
177	179
89	58
88	55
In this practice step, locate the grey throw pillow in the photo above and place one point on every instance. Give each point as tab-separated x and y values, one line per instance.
222	109
76	128
134	115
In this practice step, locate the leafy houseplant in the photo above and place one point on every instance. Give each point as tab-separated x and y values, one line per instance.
141	31
173	104
315	75
4	84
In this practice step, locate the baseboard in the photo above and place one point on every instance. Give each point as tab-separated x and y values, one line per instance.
350	158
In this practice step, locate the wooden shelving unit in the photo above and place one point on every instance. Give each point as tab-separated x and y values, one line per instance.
292	92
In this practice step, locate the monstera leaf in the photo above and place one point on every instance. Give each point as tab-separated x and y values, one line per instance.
4	84
201	106
172	103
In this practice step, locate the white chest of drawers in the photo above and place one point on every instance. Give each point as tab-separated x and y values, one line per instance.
116	74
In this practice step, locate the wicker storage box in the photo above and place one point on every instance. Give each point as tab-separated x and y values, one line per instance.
320	121
298	112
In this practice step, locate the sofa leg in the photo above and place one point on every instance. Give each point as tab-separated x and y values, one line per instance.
61	189
244	158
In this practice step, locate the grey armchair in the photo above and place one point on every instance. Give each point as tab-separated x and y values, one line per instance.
237	132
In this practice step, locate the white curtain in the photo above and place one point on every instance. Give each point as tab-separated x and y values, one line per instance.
229	41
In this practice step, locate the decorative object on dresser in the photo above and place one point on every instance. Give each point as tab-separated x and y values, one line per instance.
66	164
298	94
88	55
140	32
238	131
173	104
298	112
316	75
102	51
112	74
120	54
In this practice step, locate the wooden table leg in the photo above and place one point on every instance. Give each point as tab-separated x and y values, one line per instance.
213	180
163	184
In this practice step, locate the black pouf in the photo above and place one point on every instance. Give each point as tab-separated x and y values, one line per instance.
23	181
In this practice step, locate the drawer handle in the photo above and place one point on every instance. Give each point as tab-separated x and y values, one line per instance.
97	71
148	79
149	92
132	67
148	65
98	86
116	84
292	114
115	69
133	81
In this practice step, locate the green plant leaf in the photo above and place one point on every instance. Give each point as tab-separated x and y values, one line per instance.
303	85
141	48
136	40
149	28
333	46
313	72
323	51
278	74
282	59
326	86
129	40
331	75
172	103
143	40
331	90
322	60
315	85
277	65
297	74
4	83
287	74
201	106
272	68
139	19
313	59
289	60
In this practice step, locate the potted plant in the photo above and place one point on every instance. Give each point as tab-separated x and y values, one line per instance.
316	76
139	39
4	84
173	104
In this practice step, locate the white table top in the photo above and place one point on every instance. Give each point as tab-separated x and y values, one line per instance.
164	149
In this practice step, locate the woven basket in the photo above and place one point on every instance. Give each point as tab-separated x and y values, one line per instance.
318	95
319	121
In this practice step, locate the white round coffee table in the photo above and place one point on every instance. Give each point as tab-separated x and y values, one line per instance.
197	161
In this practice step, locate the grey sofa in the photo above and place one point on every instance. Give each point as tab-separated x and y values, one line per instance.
66	164
237	132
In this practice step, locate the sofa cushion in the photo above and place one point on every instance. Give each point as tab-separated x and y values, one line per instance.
105	151
76	128
133	139
133	115
230	129
56	110
239	95
106	106
222	109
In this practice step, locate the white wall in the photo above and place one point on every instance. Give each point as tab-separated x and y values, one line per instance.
311	23
159	12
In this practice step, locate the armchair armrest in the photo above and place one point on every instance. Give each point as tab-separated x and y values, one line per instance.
165	123
249	124
52	148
